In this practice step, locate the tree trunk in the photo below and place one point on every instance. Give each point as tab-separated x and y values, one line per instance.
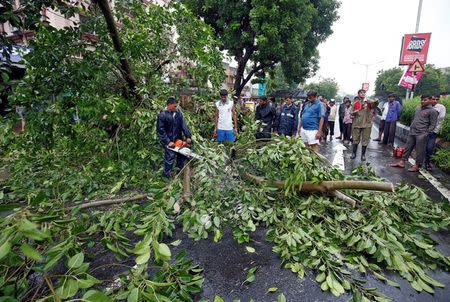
126	71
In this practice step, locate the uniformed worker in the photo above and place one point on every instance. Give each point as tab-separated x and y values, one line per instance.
266	113
287	121
362	123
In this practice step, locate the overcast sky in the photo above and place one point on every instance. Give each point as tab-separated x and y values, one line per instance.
369	31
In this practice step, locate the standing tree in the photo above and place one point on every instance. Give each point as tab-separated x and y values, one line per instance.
263	33
328	88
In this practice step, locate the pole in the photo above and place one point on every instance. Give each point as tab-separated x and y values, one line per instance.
367	71
419	12
410	93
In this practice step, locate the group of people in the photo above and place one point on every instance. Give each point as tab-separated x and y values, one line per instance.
312	120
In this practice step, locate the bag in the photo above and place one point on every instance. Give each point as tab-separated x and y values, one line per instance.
398	152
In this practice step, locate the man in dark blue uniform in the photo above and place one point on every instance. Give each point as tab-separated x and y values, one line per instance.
171	126
267	114
287	121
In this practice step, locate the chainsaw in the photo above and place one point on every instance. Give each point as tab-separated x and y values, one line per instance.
183	148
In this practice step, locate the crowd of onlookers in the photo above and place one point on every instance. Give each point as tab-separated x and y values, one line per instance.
313	120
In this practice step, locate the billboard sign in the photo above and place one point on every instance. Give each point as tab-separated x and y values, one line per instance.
409	80
365	86
414	47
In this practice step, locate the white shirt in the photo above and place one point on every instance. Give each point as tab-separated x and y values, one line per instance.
225	121
332	116
441	109
385	111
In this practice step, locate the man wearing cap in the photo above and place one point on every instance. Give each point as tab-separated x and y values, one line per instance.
287	121
393	113
311	121
224	119
424	122
171	127
267	114
362	123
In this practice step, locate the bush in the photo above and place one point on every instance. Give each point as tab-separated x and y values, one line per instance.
409	108
442	159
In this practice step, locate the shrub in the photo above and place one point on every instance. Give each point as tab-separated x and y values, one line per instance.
409	108
442	159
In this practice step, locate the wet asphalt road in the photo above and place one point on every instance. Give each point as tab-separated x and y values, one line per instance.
226	263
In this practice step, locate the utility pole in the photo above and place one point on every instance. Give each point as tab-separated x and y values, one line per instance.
367	67
409	93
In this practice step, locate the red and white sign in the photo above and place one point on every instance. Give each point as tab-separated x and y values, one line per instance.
416	67
365	86
408	79
414	47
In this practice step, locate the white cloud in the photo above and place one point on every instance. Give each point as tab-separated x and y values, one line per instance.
370	31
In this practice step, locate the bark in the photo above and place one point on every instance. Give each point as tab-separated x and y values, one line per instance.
107	202
125	70
327	186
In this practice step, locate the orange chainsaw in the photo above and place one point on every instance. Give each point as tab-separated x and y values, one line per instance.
183	148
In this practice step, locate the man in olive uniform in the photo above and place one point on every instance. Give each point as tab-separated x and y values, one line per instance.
362	123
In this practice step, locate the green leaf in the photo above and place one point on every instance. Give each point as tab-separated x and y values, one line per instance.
324	286
133	296
117	187
5	249
96	296
281	298
425	286
75	261
176	242
30	252
68	289
218	298
272	289
88	282
251	275
393	283
250	249
416	286
320	277
164	251
141	259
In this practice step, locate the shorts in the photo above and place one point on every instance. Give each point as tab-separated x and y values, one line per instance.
225	136
309	136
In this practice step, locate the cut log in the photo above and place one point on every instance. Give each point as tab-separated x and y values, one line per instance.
326	186
107	202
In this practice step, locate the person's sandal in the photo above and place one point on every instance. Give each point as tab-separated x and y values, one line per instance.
414	168
397	165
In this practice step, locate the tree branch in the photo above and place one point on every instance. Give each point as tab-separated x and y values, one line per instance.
113	32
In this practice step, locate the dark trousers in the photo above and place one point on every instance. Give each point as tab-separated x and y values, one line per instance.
331	127
430	147
419	142
347	131
341	127
389	132
169	158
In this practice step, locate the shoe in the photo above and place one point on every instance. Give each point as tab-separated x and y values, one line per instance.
363	153
377	140
355	148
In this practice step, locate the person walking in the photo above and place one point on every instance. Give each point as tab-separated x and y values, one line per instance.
267	114
287	121
326	110
347	121
171	127
384	110
224	119
362	124
393	114
432	136
424	123
311	121
332	119
341	113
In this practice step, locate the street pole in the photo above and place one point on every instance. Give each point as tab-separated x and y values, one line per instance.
410	93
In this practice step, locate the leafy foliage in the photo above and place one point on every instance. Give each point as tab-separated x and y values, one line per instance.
264	33
328	88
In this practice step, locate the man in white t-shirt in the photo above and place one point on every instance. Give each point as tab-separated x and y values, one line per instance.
431	142
384	110
224	119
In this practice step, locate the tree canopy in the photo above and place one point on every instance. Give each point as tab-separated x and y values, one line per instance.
328	88
263	33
